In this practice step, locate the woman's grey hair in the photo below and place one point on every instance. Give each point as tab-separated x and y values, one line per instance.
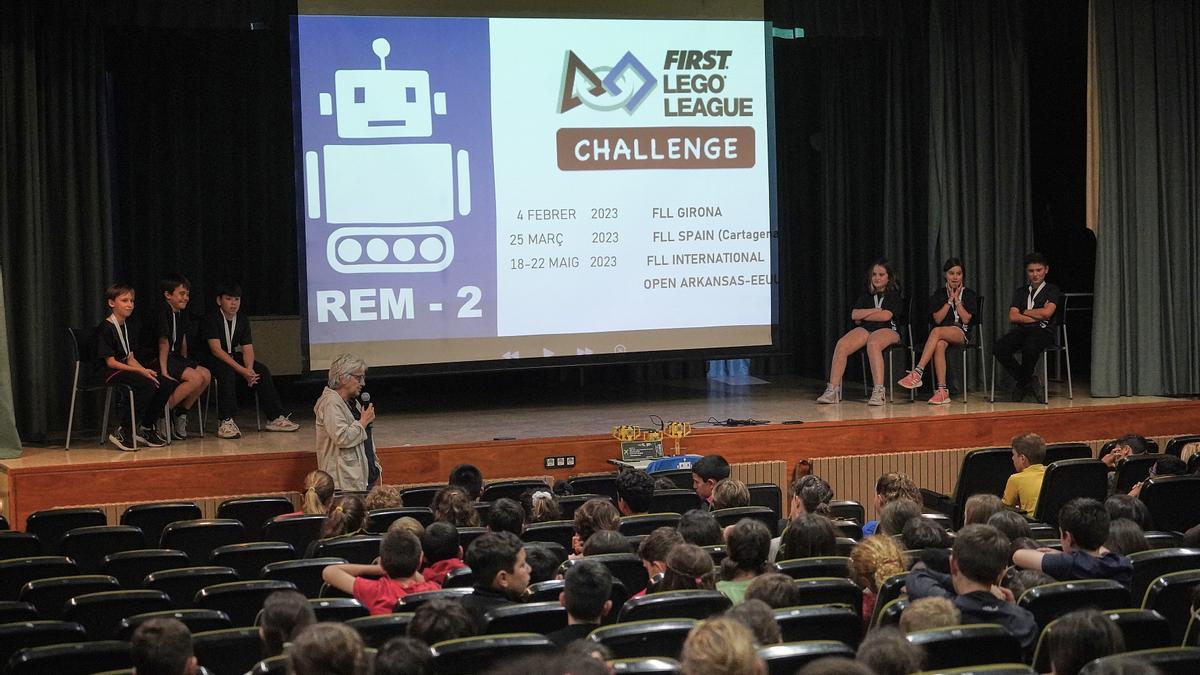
343	366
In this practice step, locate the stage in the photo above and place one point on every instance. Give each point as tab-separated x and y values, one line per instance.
513	438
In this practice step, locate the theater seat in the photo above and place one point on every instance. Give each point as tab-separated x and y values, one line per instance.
50	595
982	471
1173	501
419	496
674	501
101	613
992	669
1141	629
378	520
652	664
12	611
50	525
249	559
360	549
16	572
645	523
1152	564
1059	451
1050	601
184	583
624	567
967	645
656	637
543	591
567	504
77	657
198	538
1070	479
476	654
533	617
889	615
829	590
1168	660
820	622
558	532
19	545
299	531
1171	596
808	568
847	509
337	609
232	650
240	600
462	577
17	636
511	489
891	589
688	604
152	518
602	484
304	573
132	567
254	512
850	529
410	602
197	620
787	658
727	517
376	630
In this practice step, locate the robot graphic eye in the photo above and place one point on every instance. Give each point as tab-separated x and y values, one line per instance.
410	94
360	94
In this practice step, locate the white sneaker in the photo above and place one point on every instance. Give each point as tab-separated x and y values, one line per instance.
160	427
878	395
832	394
228	429
180	426
282	423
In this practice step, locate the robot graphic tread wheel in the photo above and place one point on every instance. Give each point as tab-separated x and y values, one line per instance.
391	193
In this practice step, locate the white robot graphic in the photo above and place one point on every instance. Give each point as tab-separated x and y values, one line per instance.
387	184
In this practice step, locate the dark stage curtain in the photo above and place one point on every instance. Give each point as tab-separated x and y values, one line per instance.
1148	234
55	211
979	204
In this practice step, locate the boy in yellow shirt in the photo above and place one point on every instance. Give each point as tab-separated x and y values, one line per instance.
1024	486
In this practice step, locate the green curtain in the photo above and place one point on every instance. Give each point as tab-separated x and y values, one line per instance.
1148	234
55	228
979	205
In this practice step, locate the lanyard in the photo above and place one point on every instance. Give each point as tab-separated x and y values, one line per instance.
173	338
954	305
1033	292
122	335
878	299
230	327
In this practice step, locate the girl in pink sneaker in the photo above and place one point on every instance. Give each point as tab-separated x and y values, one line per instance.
952	311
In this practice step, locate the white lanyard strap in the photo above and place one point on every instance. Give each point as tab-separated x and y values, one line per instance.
230	327
173	338
954	305
122	335
1033	293
878	301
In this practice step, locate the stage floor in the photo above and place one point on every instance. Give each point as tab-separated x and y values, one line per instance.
588	411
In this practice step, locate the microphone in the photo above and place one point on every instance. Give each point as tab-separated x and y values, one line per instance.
364	399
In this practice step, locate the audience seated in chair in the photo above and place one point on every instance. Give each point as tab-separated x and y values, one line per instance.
162	647
403	656
888	488
1125	537
586	590
284	615
774	589
720	647
886	652
506	515
1168	465
1014	526
1023	487
635	489
468	478
687	567
977	563
455	506
706	473
543	563
442	552
699	527
747	545
501	574
540	506
408	524
383	497
1132	508
396	572
606	541
980	507
758	617
873	561
730	493
929	613
1084	524
328	649
654	550
595	514
895	515
808	535
1080	637
317	495
441	619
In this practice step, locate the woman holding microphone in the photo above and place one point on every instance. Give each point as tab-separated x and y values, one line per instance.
341	439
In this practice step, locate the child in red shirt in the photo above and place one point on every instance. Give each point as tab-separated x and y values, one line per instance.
396	569
443	554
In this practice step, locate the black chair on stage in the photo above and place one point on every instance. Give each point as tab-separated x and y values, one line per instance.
50	525
51	595
533	617
87	378
152	518
253	512
688	604
1174	502
379	519
655	637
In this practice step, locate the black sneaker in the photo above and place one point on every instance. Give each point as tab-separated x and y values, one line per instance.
1019	392
150	437
120	439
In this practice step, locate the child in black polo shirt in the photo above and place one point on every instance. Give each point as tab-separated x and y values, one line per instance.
114	347
232	362
174	353
1031	311
874	316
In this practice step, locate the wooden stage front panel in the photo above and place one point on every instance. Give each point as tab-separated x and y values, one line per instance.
132	478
